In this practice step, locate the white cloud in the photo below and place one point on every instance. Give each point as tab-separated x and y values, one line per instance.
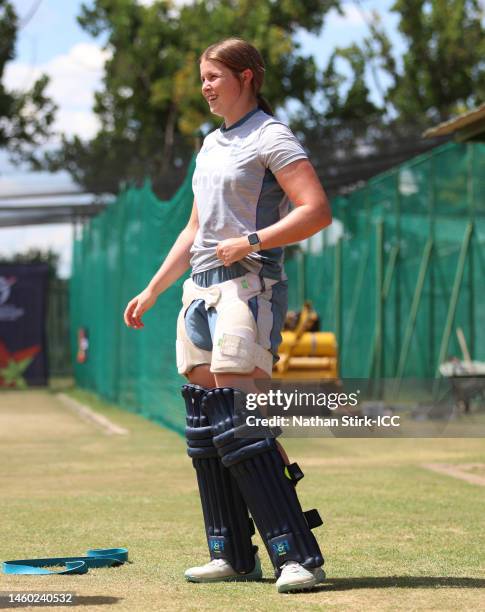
176	3
172	12
353	16
82	123
75	76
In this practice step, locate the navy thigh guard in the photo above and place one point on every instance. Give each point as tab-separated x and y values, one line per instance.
267	485
227	523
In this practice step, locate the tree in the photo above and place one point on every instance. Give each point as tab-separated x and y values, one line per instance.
26	118
443	68
441	73
151	109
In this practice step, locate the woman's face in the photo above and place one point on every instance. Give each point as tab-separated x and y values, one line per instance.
220	87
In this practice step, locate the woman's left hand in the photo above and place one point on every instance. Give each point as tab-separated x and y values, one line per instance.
233	249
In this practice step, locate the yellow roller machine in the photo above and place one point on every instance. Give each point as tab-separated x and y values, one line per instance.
306	353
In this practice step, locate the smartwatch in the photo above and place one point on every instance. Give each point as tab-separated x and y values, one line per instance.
255	242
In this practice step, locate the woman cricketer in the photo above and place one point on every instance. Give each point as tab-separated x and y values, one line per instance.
234	305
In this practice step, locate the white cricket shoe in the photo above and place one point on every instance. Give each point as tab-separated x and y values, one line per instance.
295	577
219	570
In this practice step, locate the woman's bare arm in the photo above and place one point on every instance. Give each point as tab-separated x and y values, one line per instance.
177	261
311	214
174	265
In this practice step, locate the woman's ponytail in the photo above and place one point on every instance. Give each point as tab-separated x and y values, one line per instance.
264	105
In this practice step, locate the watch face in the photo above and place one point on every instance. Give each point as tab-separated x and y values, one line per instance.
253	239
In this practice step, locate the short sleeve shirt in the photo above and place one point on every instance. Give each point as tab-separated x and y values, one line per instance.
236	191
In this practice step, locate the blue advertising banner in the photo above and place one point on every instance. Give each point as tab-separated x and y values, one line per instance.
23	344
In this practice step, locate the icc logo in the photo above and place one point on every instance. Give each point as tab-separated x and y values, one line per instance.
282	547
5	285
217	546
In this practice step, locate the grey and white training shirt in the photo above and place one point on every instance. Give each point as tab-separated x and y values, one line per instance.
236	191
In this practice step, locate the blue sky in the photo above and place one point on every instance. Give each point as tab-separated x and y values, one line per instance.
52	29
51	41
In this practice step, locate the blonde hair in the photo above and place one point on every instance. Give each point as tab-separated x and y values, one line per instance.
238	55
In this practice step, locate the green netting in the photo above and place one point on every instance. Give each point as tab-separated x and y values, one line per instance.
113	260
381	277
403	233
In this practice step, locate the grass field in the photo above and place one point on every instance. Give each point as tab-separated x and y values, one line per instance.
396	535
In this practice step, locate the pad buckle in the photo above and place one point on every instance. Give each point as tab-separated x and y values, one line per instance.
313	518
293	472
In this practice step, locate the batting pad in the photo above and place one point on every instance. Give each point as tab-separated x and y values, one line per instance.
227	523
269	492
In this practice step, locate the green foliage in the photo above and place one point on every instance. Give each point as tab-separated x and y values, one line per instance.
26	118
8	27
441	73
443	68
355	103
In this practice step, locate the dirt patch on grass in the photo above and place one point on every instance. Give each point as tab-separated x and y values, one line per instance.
473	473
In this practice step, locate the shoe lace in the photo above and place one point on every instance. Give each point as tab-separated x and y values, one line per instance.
217	562
291	566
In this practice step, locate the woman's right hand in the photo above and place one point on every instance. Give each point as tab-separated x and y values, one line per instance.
137	307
